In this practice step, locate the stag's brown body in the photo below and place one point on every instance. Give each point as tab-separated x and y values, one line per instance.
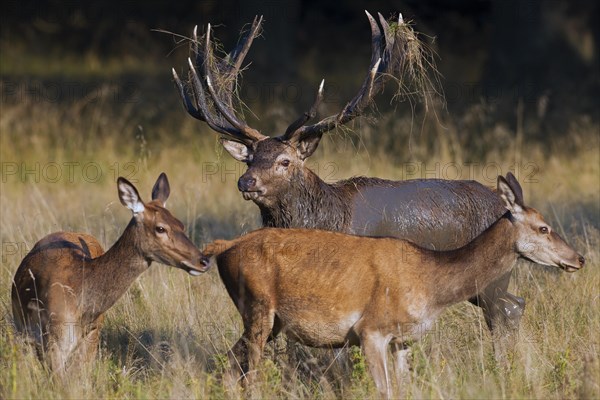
66	283
328	289
436	214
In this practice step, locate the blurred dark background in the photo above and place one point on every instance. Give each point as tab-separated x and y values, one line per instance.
542	54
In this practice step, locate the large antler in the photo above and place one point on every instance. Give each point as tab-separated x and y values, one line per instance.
212	95
388	53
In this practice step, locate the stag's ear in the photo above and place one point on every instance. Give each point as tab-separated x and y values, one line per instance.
307	145
509	196
238	150
129	196
161	189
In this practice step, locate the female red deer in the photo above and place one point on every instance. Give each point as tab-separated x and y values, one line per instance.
370	291
433	213
66	283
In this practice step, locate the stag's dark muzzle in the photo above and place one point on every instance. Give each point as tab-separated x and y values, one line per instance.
246	183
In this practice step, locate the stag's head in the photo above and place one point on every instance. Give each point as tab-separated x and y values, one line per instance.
273	166
536	240
274	162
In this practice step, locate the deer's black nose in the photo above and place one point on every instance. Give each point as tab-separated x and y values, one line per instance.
581	261
246	184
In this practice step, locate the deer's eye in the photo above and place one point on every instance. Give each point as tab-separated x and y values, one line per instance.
544	230
285	163
160	229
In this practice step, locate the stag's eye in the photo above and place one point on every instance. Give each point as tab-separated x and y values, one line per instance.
285	163
160	229
544	230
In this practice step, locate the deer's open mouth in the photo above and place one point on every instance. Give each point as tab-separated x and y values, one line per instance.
252	195
195	270
568	267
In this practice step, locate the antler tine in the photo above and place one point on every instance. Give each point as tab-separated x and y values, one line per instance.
368	90
187	102
204	108
393	57
212	100
195	41
388	34
197	48
230	66
375	39
372	84
239	53
304	118
226	112
201	112
198	91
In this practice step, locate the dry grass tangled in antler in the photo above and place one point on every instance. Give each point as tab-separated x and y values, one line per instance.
406	59
417	76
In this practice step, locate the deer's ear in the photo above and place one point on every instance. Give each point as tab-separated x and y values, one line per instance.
238	150
516	188
161	189
306	146
129	196
508	195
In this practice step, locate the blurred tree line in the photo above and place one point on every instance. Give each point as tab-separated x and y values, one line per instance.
542	53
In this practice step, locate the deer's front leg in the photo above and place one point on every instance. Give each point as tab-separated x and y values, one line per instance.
401	354
502	312
238	364
374	346
246	353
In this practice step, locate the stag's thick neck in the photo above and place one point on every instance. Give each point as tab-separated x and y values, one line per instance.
461	274
106	278
310	203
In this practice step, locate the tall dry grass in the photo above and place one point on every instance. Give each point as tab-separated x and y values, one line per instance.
167	336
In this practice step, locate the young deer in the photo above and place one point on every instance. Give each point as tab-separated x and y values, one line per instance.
328	289
66	283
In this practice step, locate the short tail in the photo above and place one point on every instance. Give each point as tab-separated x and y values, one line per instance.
217	247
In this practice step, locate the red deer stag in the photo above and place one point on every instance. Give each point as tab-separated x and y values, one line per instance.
66	283
433	213
369	291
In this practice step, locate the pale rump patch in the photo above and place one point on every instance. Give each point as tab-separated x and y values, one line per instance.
417	307
65	288
349	321
423	315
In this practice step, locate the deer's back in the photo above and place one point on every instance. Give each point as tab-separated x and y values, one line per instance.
52	263
432	213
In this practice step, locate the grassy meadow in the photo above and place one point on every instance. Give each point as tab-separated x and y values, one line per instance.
168	335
